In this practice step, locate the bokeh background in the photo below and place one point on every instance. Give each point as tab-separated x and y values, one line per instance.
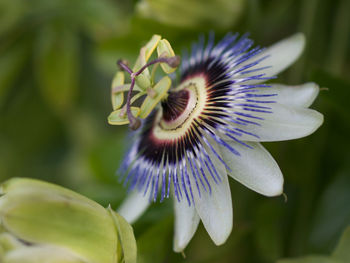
57	59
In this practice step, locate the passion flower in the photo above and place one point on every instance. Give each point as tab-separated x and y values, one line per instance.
209	126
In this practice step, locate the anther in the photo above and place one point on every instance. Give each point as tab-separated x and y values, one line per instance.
151	92
171	61
174	61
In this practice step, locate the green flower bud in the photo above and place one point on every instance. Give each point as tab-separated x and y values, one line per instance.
42	222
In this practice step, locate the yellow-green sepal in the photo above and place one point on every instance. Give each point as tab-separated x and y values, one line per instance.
160	90
126	238
119	117
117	97
164	48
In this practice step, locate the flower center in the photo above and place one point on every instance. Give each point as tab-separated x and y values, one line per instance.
183	104
175	105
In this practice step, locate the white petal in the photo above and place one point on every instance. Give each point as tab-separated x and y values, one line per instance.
134	206
186	223
295	96
215	209
284	123
280	55
255	168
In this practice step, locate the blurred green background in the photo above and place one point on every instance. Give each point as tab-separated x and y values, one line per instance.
57	59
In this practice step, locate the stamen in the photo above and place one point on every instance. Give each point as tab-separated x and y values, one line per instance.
173	62
135	123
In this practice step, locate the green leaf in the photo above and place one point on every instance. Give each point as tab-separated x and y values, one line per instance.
57	54
310	259
341	254
342	251
332	217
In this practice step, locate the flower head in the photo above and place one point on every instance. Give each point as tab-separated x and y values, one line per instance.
210	125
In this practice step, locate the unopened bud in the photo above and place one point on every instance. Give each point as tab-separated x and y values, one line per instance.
42	222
